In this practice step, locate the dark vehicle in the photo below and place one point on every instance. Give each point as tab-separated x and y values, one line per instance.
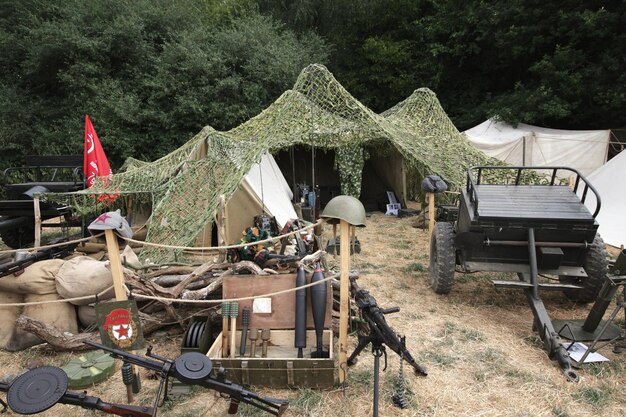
39	174
530	229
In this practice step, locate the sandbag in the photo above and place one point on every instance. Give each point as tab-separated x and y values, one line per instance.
60	315
36	279
8	315
82	276
87	314
130	258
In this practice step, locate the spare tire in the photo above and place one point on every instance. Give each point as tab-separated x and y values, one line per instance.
597	267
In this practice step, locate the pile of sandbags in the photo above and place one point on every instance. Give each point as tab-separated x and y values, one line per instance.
35	284
49	280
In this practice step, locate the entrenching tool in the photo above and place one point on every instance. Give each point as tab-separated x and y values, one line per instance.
300	332
245	322
318	307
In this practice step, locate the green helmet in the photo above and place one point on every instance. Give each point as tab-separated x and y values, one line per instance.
345	207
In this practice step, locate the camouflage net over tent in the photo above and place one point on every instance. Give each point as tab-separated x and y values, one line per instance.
184	187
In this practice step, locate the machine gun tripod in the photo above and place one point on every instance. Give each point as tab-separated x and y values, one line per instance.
380	335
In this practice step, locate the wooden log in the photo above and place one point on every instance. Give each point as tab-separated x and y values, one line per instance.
58	341
202	293
172	270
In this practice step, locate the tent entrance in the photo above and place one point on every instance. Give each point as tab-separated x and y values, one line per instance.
382	172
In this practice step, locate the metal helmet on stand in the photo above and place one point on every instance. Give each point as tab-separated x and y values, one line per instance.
345	207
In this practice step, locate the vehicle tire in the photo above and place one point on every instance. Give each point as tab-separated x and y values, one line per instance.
442	258
596	265
19	237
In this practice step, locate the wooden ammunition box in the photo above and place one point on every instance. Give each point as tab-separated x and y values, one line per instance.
281	368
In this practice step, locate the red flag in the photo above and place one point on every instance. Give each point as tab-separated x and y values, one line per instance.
95	163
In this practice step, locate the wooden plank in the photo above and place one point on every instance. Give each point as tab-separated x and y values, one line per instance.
113	250
37	209
344	299
283	306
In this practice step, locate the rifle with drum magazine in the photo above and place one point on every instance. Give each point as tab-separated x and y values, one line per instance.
17	266
380	335
39	389
194	368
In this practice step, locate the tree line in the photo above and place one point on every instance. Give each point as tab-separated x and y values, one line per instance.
151	73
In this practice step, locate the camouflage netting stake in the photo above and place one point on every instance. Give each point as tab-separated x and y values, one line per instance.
183	187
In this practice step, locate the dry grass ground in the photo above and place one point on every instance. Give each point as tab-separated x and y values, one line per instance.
482	356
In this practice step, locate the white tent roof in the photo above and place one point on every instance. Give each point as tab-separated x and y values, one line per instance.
271	189
610	182
526	145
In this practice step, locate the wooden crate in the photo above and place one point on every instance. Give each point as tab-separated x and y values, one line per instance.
282	368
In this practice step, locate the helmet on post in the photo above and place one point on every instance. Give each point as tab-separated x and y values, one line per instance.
112	220
345	207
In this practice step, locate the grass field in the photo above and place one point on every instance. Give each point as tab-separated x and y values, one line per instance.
478	345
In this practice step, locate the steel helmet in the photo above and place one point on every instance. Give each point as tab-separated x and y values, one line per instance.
112	220
345	207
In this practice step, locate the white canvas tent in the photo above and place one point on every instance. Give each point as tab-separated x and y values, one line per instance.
526	145
263	190
610	182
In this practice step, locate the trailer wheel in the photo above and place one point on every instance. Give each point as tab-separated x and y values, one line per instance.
596	265
442	258
18	237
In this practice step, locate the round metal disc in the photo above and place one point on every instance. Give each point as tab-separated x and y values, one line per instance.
192	366
37	390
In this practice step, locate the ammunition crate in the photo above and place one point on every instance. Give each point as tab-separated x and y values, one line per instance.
281	368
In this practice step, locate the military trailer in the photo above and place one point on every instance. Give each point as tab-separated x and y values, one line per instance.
38	174
532	228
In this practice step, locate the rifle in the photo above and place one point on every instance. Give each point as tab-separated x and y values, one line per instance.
17	266
194	368
26	396
380	335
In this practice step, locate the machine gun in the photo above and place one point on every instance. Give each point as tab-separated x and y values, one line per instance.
52	253
39	389
194	368
380	334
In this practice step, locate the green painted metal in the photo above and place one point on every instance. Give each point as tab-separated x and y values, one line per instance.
89	369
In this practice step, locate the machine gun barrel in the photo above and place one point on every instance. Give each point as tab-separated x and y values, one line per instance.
52	253
130	358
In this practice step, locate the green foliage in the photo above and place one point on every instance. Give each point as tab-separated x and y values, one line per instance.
149	73
558	64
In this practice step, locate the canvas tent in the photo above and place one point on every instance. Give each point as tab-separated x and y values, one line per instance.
184	187
608	180
527	145
262	191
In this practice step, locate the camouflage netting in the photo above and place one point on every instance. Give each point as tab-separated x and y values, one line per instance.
184	186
